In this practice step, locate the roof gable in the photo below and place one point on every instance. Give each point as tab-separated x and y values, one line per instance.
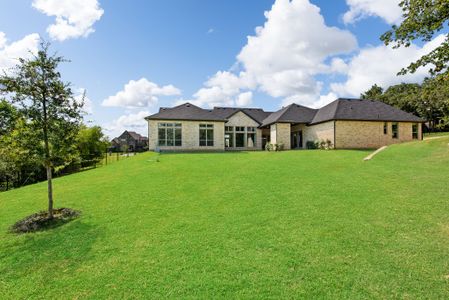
293	113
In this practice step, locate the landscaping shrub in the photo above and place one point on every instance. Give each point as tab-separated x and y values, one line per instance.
274	147
311	145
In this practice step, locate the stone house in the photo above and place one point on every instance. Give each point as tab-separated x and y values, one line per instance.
344	124
129	141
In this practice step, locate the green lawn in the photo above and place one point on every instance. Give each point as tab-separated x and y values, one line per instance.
294	224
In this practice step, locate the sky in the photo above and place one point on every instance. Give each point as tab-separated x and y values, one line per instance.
132	57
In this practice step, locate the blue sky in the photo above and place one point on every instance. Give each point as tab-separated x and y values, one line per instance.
169	51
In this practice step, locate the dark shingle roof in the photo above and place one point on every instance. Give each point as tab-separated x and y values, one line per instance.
293	113
257	114
186	111
340	109
136	136
362	110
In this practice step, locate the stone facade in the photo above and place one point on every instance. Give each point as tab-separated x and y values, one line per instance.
190	136
319	132
243	120
280	134
370	134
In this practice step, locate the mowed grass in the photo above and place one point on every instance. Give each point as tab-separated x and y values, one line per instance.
294	224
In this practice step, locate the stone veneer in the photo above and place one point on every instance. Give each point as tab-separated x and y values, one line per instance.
280	134
370	134
243	120
190	136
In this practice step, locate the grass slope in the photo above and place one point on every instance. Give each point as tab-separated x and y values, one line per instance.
315	224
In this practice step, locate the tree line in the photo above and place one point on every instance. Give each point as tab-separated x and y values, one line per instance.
429	100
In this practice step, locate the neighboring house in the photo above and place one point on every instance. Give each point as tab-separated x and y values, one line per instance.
129	141
346	123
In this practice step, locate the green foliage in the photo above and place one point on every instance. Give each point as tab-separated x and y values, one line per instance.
47	104
311	145
91	142
373	93
274	147
8	117
422	20
430	100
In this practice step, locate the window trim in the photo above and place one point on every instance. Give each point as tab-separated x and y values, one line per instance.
207	142
395	133
415	134
169	126
385	128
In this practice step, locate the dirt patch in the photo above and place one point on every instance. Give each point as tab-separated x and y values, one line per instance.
41	221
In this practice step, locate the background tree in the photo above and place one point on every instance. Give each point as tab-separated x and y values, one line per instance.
91	142
429	101
48	105
422	20
8	116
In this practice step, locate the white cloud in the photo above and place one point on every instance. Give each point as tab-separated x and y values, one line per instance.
140	93
283	56
380	65
244	99
2	39
224	89
388	10
338	65
88	106
132	122
311	100
74	18
24	48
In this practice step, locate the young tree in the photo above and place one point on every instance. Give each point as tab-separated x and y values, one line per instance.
422	20
49	108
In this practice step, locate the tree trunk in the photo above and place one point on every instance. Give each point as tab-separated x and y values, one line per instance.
50	192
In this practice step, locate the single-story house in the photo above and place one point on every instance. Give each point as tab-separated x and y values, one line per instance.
129	141
344	124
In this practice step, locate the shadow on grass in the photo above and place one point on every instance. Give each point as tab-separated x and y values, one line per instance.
41	221
31	256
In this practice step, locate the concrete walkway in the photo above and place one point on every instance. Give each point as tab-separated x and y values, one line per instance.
374	153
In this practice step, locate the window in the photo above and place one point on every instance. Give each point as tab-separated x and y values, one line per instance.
251	137
170	134
394	130
206	135
229	137
385	128
240	137
415	131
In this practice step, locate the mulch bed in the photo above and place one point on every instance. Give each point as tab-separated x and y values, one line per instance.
40	221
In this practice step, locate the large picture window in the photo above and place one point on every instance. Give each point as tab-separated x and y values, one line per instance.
240	137
394	130
170	134
415	131
206	135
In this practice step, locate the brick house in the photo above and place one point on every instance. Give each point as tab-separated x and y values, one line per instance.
129	141
344	123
